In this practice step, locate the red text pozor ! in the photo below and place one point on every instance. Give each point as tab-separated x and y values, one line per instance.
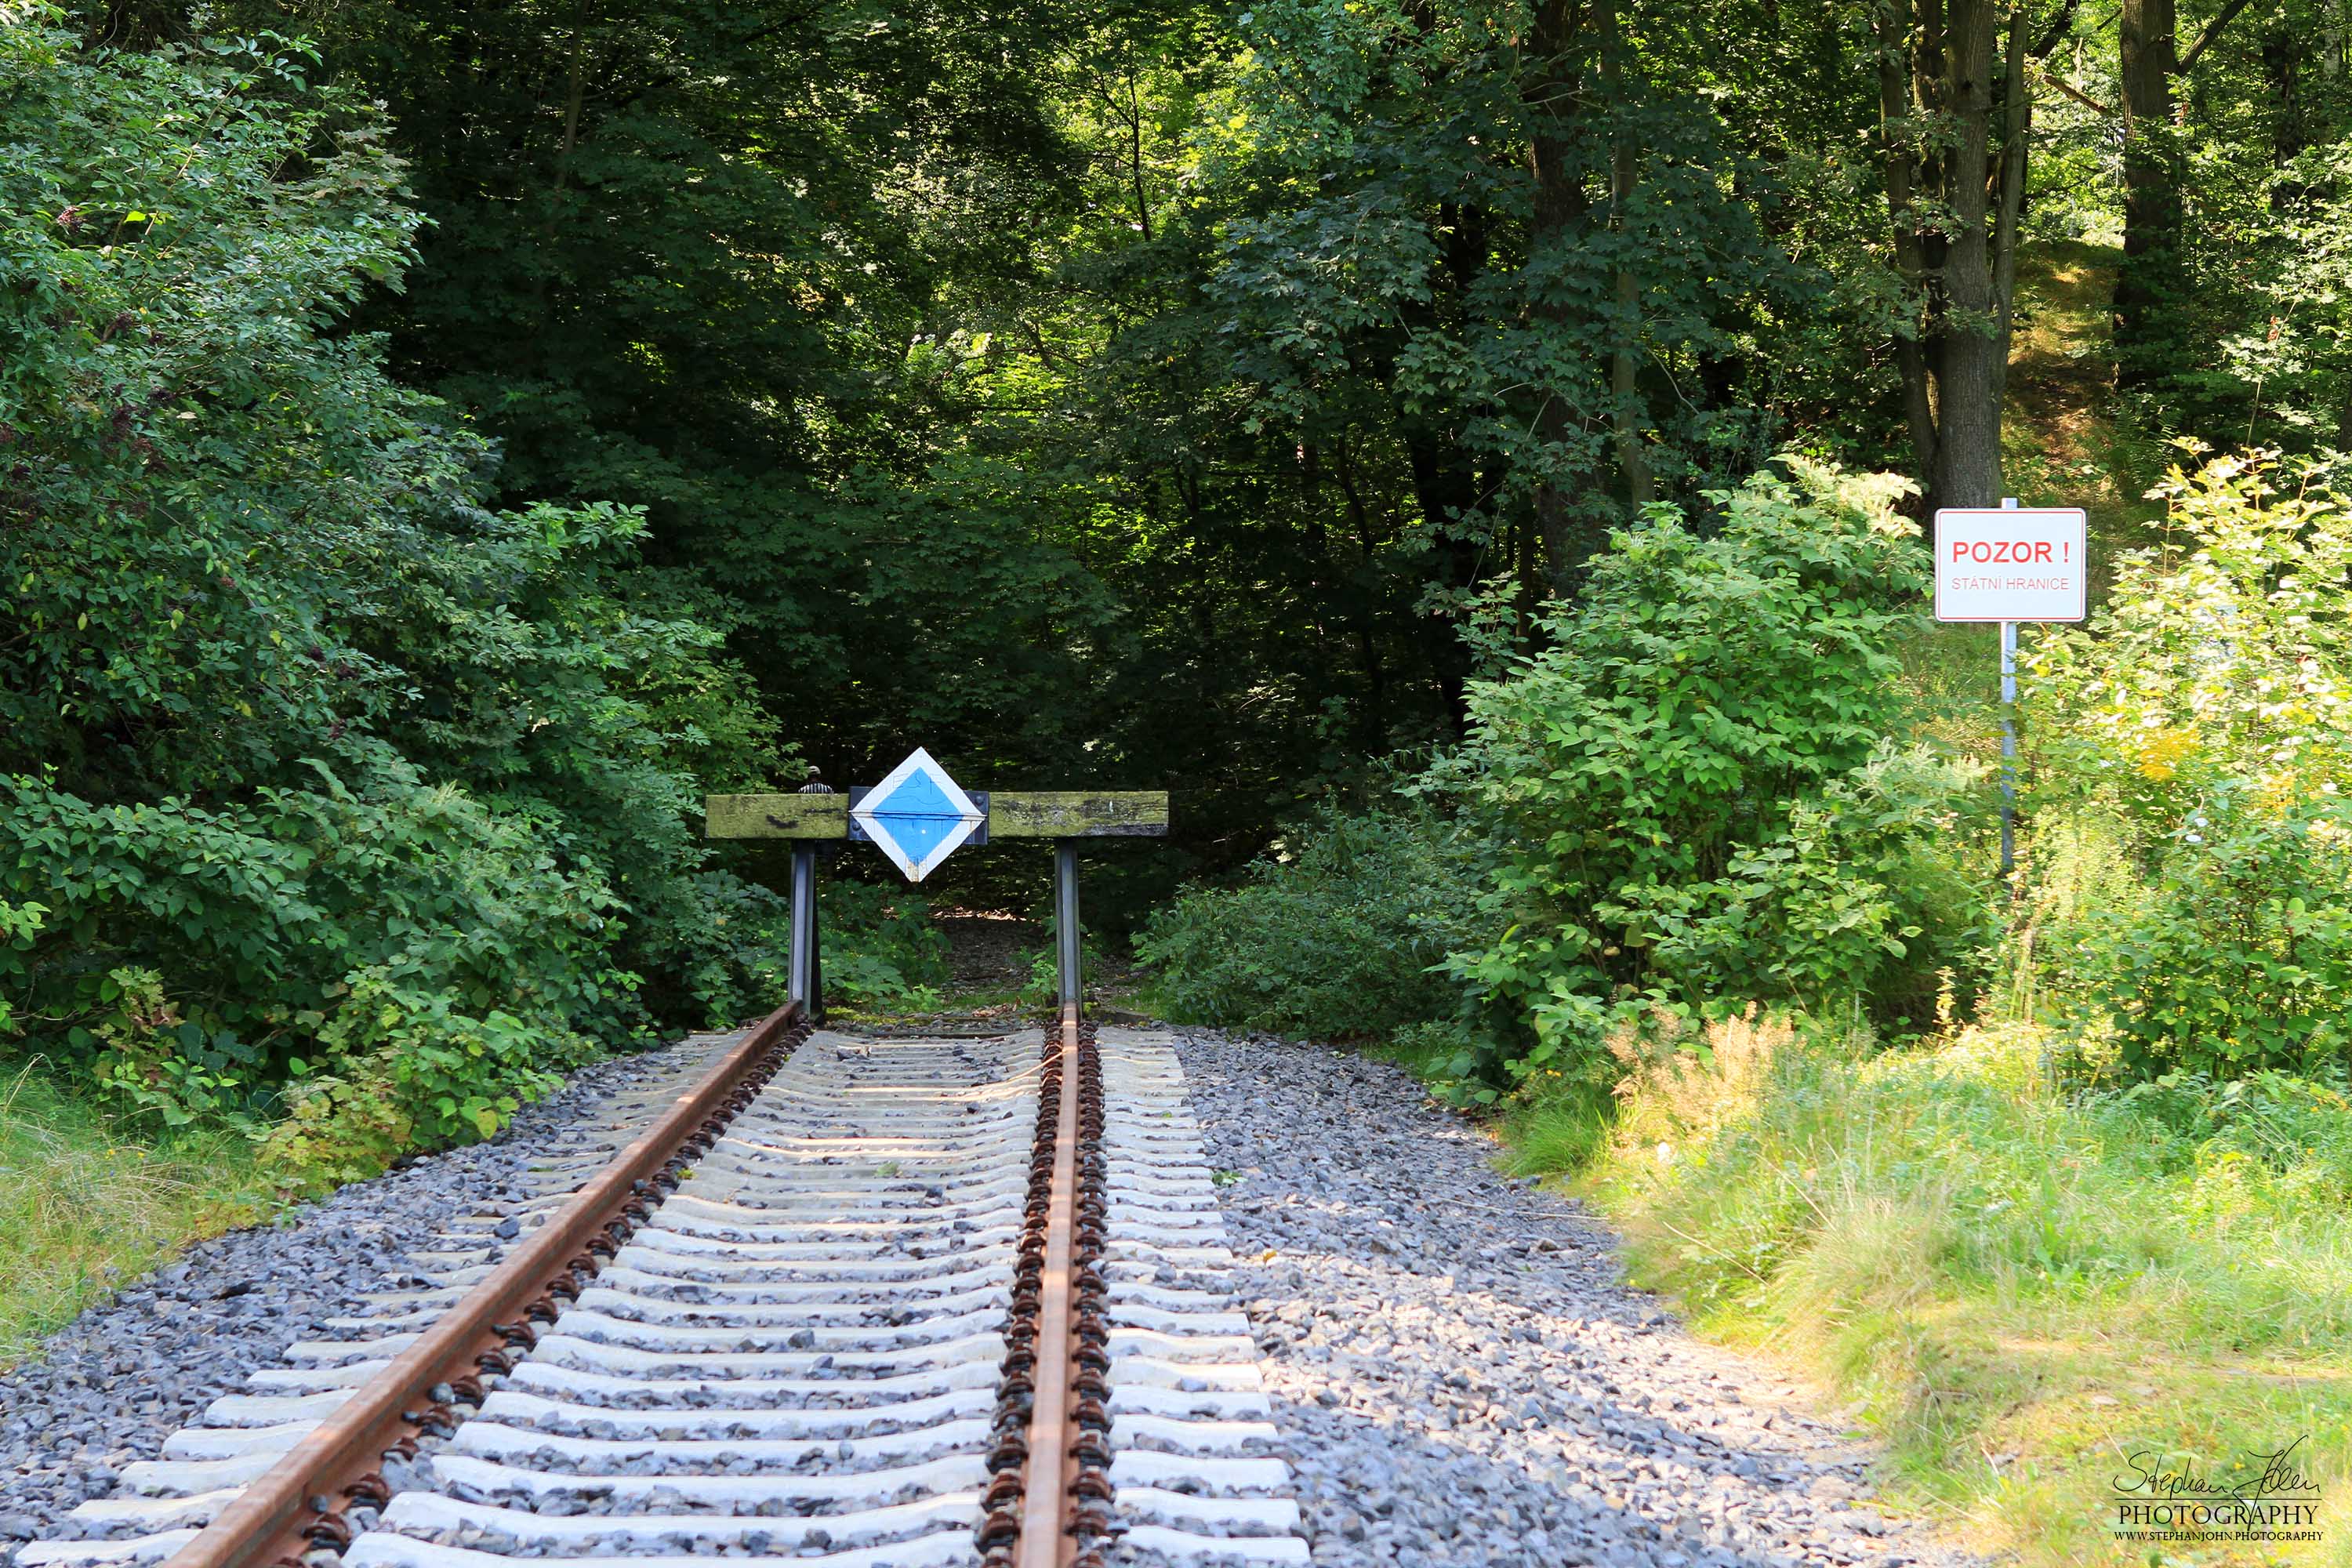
2016	551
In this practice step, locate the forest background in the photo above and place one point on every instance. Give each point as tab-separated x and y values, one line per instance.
1471	455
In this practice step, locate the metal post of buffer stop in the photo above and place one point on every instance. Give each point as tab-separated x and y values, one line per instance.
2010	564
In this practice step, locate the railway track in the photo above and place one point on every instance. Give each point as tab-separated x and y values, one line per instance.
870	1303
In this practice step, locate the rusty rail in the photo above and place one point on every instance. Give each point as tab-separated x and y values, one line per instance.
1045	1508
1045	1494
274	1520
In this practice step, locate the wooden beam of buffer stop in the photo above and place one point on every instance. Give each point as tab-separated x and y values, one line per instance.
1012	814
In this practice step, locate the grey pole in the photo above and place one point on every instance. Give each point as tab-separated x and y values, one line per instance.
1065	922
2008	734
799	969
2008	746
805	971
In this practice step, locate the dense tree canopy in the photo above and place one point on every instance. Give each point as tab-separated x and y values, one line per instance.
513	422
1150	391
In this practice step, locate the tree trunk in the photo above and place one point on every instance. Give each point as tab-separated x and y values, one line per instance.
1980	259
2285	52
2146	43
1953	197
1626	409
1447	492
141	24
1373	729
1561	210
1967	471
1902	159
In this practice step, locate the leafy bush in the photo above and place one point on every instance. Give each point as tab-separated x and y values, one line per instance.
1338	936
877	945
1690	788
1688	793
353	811
1041	984
2188	874
881	948
193	960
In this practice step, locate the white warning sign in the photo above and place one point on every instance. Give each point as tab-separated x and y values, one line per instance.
2021	563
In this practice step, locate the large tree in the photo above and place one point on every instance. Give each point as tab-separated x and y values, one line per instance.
1953	121
2149	288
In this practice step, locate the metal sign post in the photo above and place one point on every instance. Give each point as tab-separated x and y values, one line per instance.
1066	930
799	958
918	815
2008	747
2017	563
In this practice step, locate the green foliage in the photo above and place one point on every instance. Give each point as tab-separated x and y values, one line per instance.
1135	395
1041	984
880	947
2190	871
1692	787
353	811
1146	395
1690	791
738	283
1873	891
1337	938
196	959
2248	334
2286	344
1396	173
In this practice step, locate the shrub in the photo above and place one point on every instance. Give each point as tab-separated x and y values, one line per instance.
1338	936
880	947
2189	875
341	797
1690	790
195	962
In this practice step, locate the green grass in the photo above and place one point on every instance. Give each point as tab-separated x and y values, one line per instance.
2016	1288
83	1207
1561	1134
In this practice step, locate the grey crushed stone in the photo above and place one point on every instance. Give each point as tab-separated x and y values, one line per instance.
1462	1375
1465	1377
111	1385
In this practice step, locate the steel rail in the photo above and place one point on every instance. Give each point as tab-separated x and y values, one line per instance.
1046	1498
279	1515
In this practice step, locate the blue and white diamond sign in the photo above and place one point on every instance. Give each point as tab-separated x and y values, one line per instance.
918	814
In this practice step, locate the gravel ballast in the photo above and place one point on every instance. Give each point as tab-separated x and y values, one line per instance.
1464	1376
111	1387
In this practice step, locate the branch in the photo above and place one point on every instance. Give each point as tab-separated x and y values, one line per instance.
2077	94
2221	19
2051	38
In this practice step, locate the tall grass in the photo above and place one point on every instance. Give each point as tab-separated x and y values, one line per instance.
2020	1288
84	1207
